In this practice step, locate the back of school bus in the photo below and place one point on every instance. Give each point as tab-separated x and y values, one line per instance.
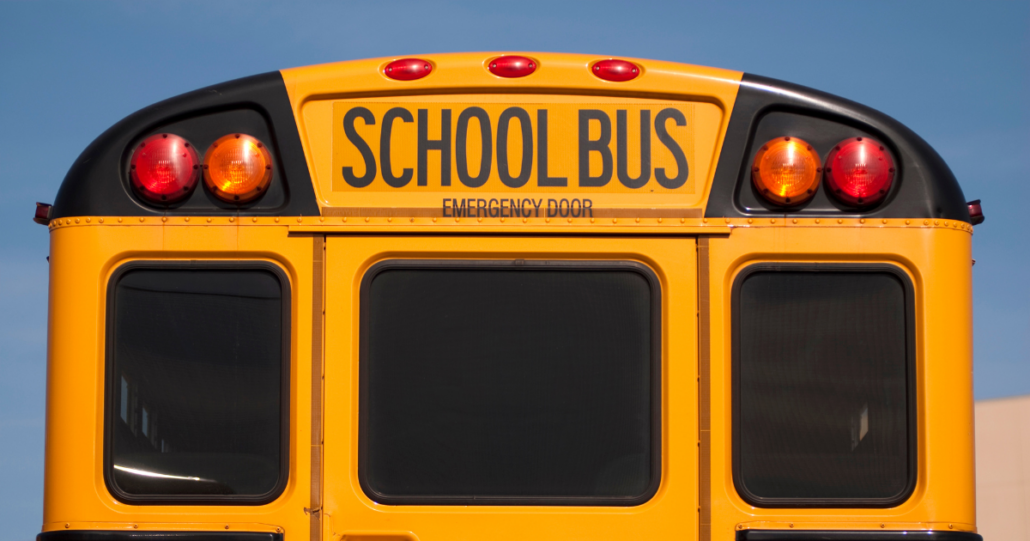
504	296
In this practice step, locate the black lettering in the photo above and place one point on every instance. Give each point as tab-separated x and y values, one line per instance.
542	179
503	122
384	147
443	144
600	145
552	208
462	210
563	208
577	208
645	149
361	145
480	207
446	205
673	146
588	208
536	206
461	147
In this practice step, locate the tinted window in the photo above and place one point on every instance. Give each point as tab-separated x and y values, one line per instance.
196	383
822	405
509	384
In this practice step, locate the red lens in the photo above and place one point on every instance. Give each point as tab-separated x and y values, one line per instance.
407	69
615	70
164	168
859	171
512	66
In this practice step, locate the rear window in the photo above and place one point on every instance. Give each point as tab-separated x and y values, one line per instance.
518	383
823	404
197	360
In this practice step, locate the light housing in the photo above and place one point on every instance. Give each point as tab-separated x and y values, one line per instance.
786	171
618	71
237	168
512	66
407	69
164	168
859	171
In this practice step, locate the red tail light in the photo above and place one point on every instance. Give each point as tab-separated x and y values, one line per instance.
859	171
615	70
407	69
164	168
512	66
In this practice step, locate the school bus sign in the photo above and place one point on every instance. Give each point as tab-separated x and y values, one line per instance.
487	159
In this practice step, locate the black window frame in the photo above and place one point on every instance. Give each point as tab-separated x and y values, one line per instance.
521	265
112	385
910	387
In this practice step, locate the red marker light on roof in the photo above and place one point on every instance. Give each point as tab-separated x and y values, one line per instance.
407	69
512	66
164	168
859	171
615	70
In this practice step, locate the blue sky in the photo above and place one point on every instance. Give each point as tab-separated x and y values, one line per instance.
958	73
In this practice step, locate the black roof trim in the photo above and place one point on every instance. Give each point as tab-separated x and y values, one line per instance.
97	184
925	187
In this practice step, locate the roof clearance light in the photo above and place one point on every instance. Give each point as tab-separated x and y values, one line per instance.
859	171
512	66
786	171
164	168
615	70
237	168
407	69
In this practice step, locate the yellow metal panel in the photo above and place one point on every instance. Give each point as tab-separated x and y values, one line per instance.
671	513
82	258
938	260
320	94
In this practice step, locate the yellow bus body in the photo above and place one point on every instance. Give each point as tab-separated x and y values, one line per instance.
695	256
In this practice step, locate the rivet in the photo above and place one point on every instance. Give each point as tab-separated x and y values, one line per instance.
524	220
66	525
684	220
795	220
951	526
936	222
277	219
703	220
367	218
862	221
885	221
456	220
141	220
945	224
908	222
749	220
637	220
163	219
321	218
101	220
119	220
570	220
300	219
740	526
840	221
434	220
391	219
883	525
344	219
591	220
727	220
548	220
186	218
209	220
278	530
791	524
926	222
226	526
412	220
134	526
233	219
615	220
659	220
76	220
772	220
480	219
87	220
502	220
255	219
817	220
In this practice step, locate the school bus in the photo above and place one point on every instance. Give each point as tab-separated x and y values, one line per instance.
509	296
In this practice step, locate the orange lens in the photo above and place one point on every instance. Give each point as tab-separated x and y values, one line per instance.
786	171
237	168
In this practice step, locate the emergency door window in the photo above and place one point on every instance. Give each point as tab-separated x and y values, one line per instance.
197	382
509	382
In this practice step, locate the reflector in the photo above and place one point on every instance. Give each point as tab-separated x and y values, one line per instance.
237	168
859	171
164	168
786	171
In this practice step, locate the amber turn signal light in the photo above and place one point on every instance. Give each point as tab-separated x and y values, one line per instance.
786	171
237	168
